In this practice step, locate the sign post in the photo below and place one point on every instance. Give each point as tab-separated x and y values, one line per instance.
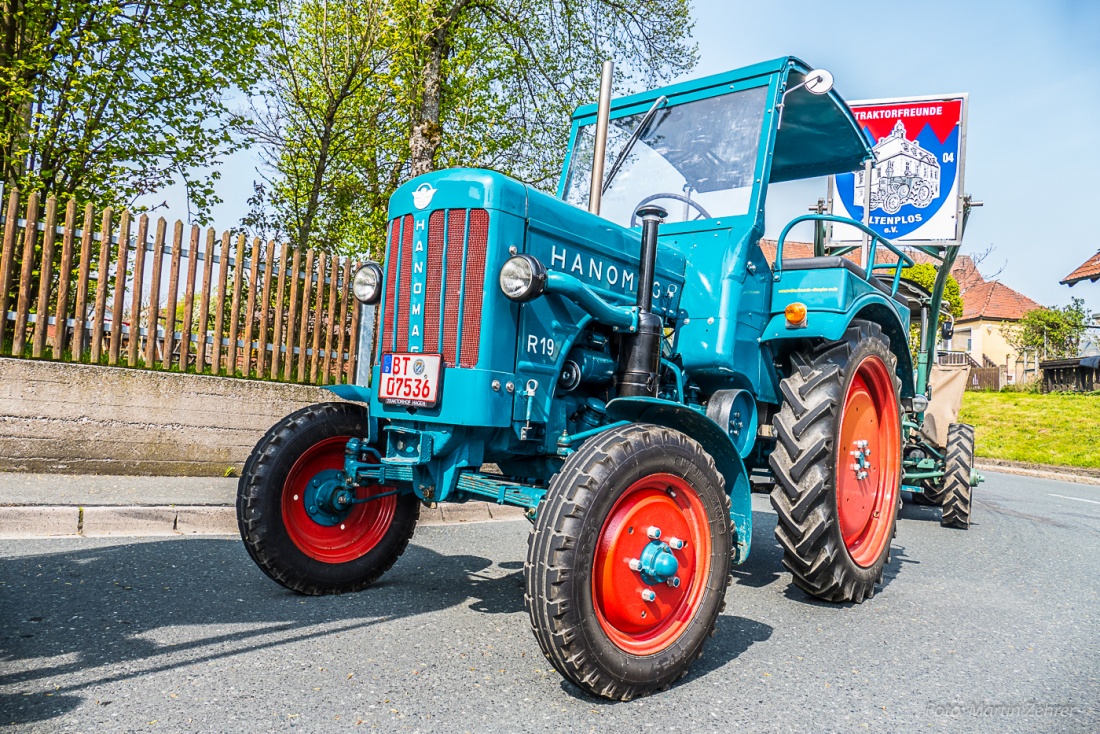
914	192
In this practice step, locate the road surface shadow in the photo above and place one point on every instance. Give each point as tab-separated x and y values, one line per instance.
88	614
732	637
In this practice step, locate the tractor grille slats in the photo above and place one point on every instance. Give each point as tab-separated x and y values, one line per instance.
404	269
391	283
433	291
453	286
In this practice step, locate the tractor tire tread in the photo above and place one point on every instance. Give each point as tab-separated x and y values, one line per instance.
957	491
802	465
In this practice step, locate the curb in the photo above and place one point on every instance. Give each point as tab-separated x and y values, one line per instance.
104	521
1038	473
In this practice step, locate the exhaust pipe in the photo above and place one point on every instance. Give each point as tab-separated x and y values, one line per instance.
599	156
641	353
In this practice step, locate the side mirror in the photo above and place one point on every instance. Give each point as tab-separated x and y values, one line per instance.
819	81
947	331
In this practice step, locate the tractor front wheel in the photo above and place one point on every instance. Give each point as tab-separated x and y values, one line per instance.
837	464
957	489
629	560
290	523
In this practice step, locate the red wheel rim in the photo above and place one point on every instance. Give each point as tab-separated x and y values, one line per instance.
357	534
634	624
867	474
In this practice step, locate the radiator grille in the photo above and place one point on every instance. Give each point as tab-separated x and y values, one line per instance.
477	241
433	289
454	285
391	285
404	267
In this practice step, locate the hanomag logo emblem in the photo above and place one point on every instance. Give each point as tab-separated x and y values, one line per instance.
423	195
418	367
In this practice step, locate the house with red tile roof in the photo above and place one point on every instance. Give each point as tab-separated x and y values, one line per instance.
1089	270
989	307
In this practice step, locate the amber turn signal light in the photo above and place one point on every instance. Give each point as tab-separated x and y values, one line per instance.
796	314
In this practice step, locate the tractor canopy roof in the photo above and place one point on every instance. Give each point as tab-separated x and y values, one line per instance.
715	132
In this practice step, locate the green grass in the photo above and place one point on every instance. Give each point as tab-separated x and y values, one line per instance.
1058	428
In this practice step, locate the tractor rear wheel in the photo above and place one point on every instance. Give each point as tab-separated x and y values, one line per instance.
291	527
932	496
956	478
629	560
837	464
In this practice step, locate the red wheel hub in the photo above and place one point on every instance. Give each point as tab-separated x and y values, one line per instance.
868	461
354	535
644	612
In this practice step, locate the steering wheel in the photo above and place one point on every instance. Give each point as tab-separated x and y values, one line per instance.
703	213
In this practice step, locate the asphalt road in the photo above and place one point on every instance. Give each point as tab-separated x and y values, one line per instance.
991	629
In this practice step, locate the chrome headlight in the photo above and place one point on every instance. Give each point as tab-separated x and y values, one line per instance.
367	283
522	278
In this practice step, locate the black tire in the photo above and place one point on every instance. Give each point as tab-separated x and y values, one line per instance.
956	478
932	496
805	464
560	575
260	513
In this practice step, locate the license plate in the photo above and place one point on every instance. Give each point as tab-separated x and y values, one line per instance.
409	379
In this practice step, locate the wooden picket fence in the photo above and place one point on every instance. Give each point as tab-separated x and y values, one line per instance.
258	310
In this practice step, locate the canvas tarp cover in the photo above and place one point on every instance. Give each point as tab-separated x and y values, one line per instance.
947	384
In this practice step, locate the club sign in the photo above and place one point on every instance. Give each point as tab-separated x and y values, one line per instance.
916	182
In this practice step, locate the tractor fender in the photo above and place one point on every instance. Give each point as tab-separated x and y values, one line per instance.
714	440
831	325
358	394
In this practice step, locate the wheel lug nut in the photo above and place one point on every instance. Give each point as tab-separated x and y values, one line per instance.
654	532
635	564
648	595
675	543
674	582
313	509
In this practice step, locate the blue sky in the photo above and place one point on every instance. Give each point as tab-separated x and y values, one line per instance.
1033	73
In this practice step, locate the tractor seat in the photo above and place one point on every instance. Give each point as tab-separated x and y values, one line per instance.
835	261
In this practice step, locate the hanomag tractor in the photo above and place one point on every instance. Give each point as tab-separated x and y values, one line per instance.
624	381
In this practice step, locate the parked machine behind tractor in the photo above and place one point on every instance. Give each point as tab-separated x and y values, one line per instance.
623	381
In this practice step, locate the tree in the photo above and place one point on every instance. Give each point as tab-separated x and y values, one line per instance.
924	275
487	83
1053	332
322	118
106	100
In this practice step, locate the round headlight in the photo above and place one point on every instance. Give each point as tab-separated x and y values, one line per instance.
367	283
522	278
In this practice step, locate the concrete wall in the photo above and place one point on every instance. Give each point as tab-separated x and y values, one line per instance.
70	418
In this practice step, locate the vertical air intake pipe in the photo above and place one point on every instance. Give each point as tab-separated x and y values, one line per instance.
641	351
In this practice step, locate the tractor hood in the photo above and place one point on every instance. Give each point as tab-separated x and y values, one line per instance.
450	232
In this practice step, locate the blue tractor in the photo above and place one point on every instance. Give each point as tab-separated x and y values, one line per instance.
620	375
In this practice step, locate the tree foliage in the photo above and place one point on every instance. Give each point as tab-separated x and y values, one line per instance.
415	85
1052	332
106	100
924	275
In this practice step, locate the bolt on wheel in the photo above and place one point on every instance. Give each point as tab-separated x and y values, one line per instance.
652	562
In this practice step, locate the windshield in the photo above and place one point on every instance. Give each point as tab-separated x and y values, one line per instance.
701	156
